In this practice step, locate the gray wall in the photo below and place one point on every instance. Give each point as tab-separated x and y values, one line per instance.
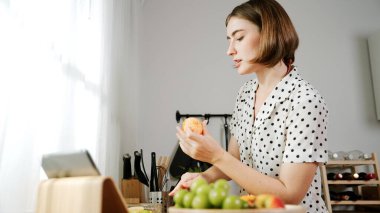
183	66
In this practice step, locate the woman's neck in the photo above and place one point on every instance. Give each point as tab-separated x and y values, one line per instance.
268	78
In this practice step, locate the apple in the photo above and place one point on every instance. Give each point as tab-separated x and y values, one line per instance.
268	201
274	202
194	124
260	200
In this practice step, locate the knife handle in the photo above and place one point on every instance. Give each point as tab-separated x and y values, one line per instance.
153	175
138	171
127	167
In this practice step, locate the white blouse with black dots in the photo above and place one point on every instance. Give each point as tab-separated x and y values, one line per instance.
289	128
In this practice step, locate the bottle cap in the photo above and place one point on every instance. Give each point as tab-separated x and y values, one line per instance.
367	156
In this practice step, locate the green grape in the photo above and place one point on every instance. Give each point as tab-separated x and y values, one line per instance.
200	202
187	199
217	196
203	189
222	183
198	182
232	202
178	197
244	204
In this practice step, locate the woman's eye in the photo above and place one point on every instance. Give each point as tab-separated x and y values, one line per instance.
240	38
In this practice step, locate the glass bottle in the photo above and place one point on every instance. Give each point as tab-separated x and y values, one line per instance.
340	155
330	154
354	155
367	156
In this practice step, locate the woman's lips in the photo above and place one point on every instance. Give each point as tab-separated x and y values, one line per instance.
237	63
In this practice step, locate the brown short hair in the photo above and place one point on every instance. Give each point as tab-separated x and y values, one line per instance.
279	39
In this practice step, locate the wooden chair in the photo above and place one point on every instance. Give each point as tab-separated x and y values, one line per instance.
92	194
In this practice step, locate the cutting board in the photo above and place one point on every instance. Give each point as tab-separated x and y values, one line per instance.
95	194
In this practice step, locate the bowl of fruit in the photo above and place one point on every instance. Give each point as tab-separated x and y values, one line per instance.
203	197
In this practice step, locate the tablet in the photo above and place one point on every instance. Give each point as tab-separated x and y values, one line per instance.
73	164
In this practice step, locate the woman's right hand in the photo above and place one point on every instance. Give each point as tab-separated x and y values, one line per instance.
185	182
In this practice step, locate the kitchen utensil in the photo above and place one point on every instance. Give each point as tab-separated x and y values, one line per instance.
226	131
162	167
138	171
143	165
127	168
153	175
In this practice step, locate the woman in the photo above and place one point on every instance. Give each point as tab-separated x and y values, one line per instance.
278	126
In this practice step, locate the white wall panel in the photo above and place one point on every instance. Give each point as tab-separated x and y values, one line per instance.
374	52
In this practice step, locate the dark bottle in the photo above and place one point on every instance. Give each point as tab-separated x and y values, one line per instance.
371	176
355	176
331	176
153	186
347	176
350	176
366	176
338	176
362	176
334	196
349	195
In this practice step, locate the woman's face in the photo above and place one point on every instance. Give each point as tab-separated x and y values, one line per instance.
243	42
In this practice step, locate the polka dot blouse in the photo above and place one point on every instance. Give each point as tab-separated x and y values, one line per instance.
289	128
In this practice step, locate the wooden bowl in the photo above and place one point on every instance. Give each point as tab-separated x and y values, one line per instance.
288	209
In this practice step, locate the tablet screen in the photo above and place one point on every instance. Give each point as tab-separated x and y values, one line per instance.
59	165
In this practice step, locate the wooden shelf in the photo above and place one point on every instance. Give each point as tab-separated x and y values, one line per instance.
341	163
358	202
355	184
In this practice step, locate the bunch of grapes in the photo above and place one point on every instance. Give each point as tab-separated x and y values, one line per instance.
202	195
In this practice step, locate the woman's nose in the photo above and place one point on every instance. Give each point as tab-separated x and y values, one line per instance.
231	49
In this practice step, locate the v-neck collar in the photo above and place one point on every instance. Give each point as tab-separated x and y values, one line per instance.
281	92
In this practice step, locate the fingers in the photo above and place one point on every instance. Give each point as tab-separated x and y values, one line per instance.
188	135
205	130
180	135
185	182
178	187
186	147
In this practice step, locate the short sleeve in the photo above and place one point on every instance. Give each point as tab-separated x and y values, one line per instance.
307	131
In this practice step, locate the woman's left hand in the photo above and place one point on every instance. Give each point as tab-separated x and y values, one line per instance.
200	147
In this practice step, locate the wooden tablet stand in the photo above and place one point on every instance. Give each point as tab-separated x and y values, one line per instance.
92	194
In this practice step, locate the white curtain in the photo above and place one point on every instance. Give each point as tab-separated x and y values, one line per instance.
60	68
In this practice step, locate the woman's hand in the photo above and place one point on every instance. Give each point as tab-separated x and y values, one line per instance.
185	182
200	147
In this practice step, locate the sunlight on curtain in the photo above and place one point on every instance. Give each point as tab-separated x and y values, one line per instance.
58	92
